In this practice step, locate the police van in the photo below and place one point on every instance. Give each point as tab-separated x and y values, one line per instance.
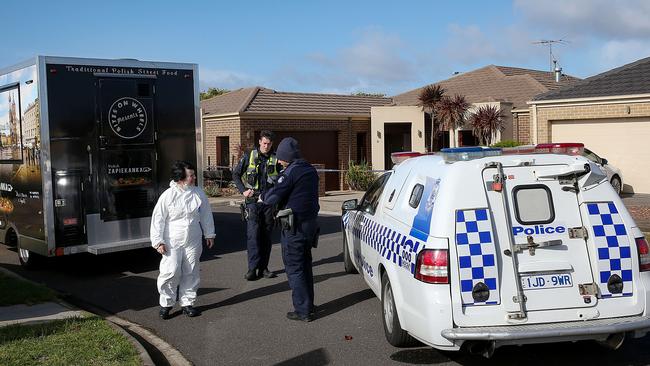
479	248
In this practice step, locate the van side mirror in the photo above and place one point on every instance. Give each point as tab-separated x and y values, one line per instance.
350	205
603	161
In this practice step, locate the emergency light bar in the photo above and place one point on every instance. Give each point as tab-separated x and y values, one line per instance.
453	154
568	148
468	153
398	157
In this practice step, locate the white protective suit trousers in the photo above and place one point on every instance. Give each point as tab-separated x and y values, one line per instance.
179	268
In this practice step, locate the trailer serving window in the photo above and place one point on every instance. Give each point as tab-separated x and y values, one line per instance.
10	124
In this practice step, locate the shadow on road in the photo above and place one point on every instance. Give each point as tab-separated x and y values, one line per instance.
344	302
634	352
317	357
264	291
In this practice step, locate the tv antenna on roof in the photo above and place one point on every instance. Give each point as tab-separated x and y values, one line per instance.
549	43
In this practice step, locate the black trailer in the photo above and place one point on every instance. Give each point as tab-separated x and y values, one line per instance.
85	150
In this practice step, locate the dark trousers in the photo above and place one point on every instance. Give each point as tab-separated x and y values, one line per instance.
258	234
296	254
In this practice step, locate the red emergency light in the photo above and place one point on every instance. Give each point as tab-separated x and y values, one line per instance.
398	157
567	148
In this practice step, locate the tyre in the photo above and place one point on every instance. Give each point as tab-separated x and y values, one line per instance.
395	335
28	259
616	184
347	260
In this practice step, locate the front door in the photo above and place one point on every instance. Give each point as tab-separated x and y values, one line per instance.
127	151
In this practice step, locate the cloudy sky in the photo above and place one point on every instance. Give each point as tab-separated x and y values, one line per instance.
334	46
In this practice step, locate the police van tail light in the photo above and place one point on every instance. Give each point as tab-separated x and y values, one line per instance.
644	254
432	266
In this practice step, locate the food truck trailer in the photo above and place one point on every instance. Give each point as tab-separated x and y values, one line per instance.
86	147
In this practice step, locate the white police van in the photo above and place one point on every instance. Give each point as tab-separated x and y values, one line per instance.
481	248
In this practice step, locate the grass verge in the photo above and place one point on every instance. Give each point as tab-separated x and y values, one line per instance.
15	291
77	341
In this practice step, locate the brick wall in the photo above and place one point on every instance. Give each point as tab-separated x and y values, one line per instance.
242	131
522	131
217	128
547	114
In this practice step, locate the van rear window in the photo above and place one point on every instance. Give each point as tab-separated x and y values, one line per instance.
533	204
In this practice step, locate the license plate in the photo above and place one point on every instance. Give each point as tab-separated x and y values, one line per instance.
555	280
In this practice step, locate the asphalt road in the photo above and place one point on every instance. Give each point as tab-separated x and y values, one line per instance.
243	323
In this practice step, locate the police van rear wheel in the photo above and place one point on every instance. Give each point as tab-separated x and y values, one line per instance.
395	335
347	260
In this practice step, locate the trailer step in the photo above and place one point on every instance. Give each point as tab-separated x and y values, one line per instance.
118	246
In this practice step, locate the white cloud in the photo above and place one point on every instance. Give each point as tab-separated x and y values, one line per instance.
617	53
619	19
225	79
375	62
470	45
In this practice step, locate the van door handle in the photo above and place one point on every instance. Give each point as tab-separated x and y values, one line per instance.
90	163
531	245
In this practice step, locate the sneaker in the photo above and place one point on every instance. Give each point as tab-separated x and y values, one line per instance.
267	274
292	315
250	275
164	312
191	311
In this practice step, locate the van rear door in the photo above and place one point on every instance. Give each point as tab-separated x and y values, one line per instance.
550	263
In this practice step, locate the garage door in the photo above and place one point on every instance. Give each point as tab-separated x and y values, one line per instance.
624	143
317	147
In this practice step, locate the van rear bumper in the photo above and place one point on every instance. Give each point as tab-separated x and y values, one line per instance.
553	332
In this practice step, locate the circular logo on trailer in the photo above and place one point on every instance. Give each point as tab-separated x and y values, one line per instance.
127	118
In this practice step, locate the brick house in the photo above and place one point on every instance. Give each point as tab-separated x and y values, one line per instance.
609	113
331	129
403	125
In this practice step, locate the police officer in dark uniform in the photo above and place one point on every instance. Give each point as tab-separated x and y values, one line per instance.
255	174
297	193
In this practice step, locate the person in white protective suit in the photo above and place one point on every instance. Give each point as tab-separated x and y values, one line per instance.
181	214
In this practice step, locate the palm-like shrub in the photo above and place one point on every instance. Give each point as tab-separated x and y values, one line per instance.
452	113
485	122
429	98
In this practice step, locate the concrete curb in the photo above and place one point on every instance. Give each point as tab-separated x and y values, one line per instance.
144	355
171	354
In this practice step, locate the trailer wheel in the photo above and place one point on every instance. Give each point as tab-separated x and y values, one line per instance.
395	335
347	260
27	258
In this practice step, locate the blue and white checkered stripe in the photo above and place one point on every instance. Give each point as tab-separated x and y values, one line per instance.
476	255
389	243
613	246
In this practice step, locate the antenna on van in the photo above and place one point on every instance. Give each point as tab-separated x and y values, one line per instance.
549	43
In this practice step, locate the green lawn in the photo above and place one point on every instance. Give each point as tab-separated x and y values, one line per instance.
15	291
78	341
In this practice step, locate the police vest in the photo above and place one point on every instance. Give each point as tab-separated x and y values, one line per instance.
251	177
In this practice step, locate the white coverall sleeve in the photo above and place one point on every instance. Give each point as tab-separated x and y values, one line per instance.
158	221
207	222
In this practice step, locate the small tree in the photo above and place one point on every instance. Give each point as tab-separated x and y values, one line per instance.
452	113
485	122
212	92
429	98
364	94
